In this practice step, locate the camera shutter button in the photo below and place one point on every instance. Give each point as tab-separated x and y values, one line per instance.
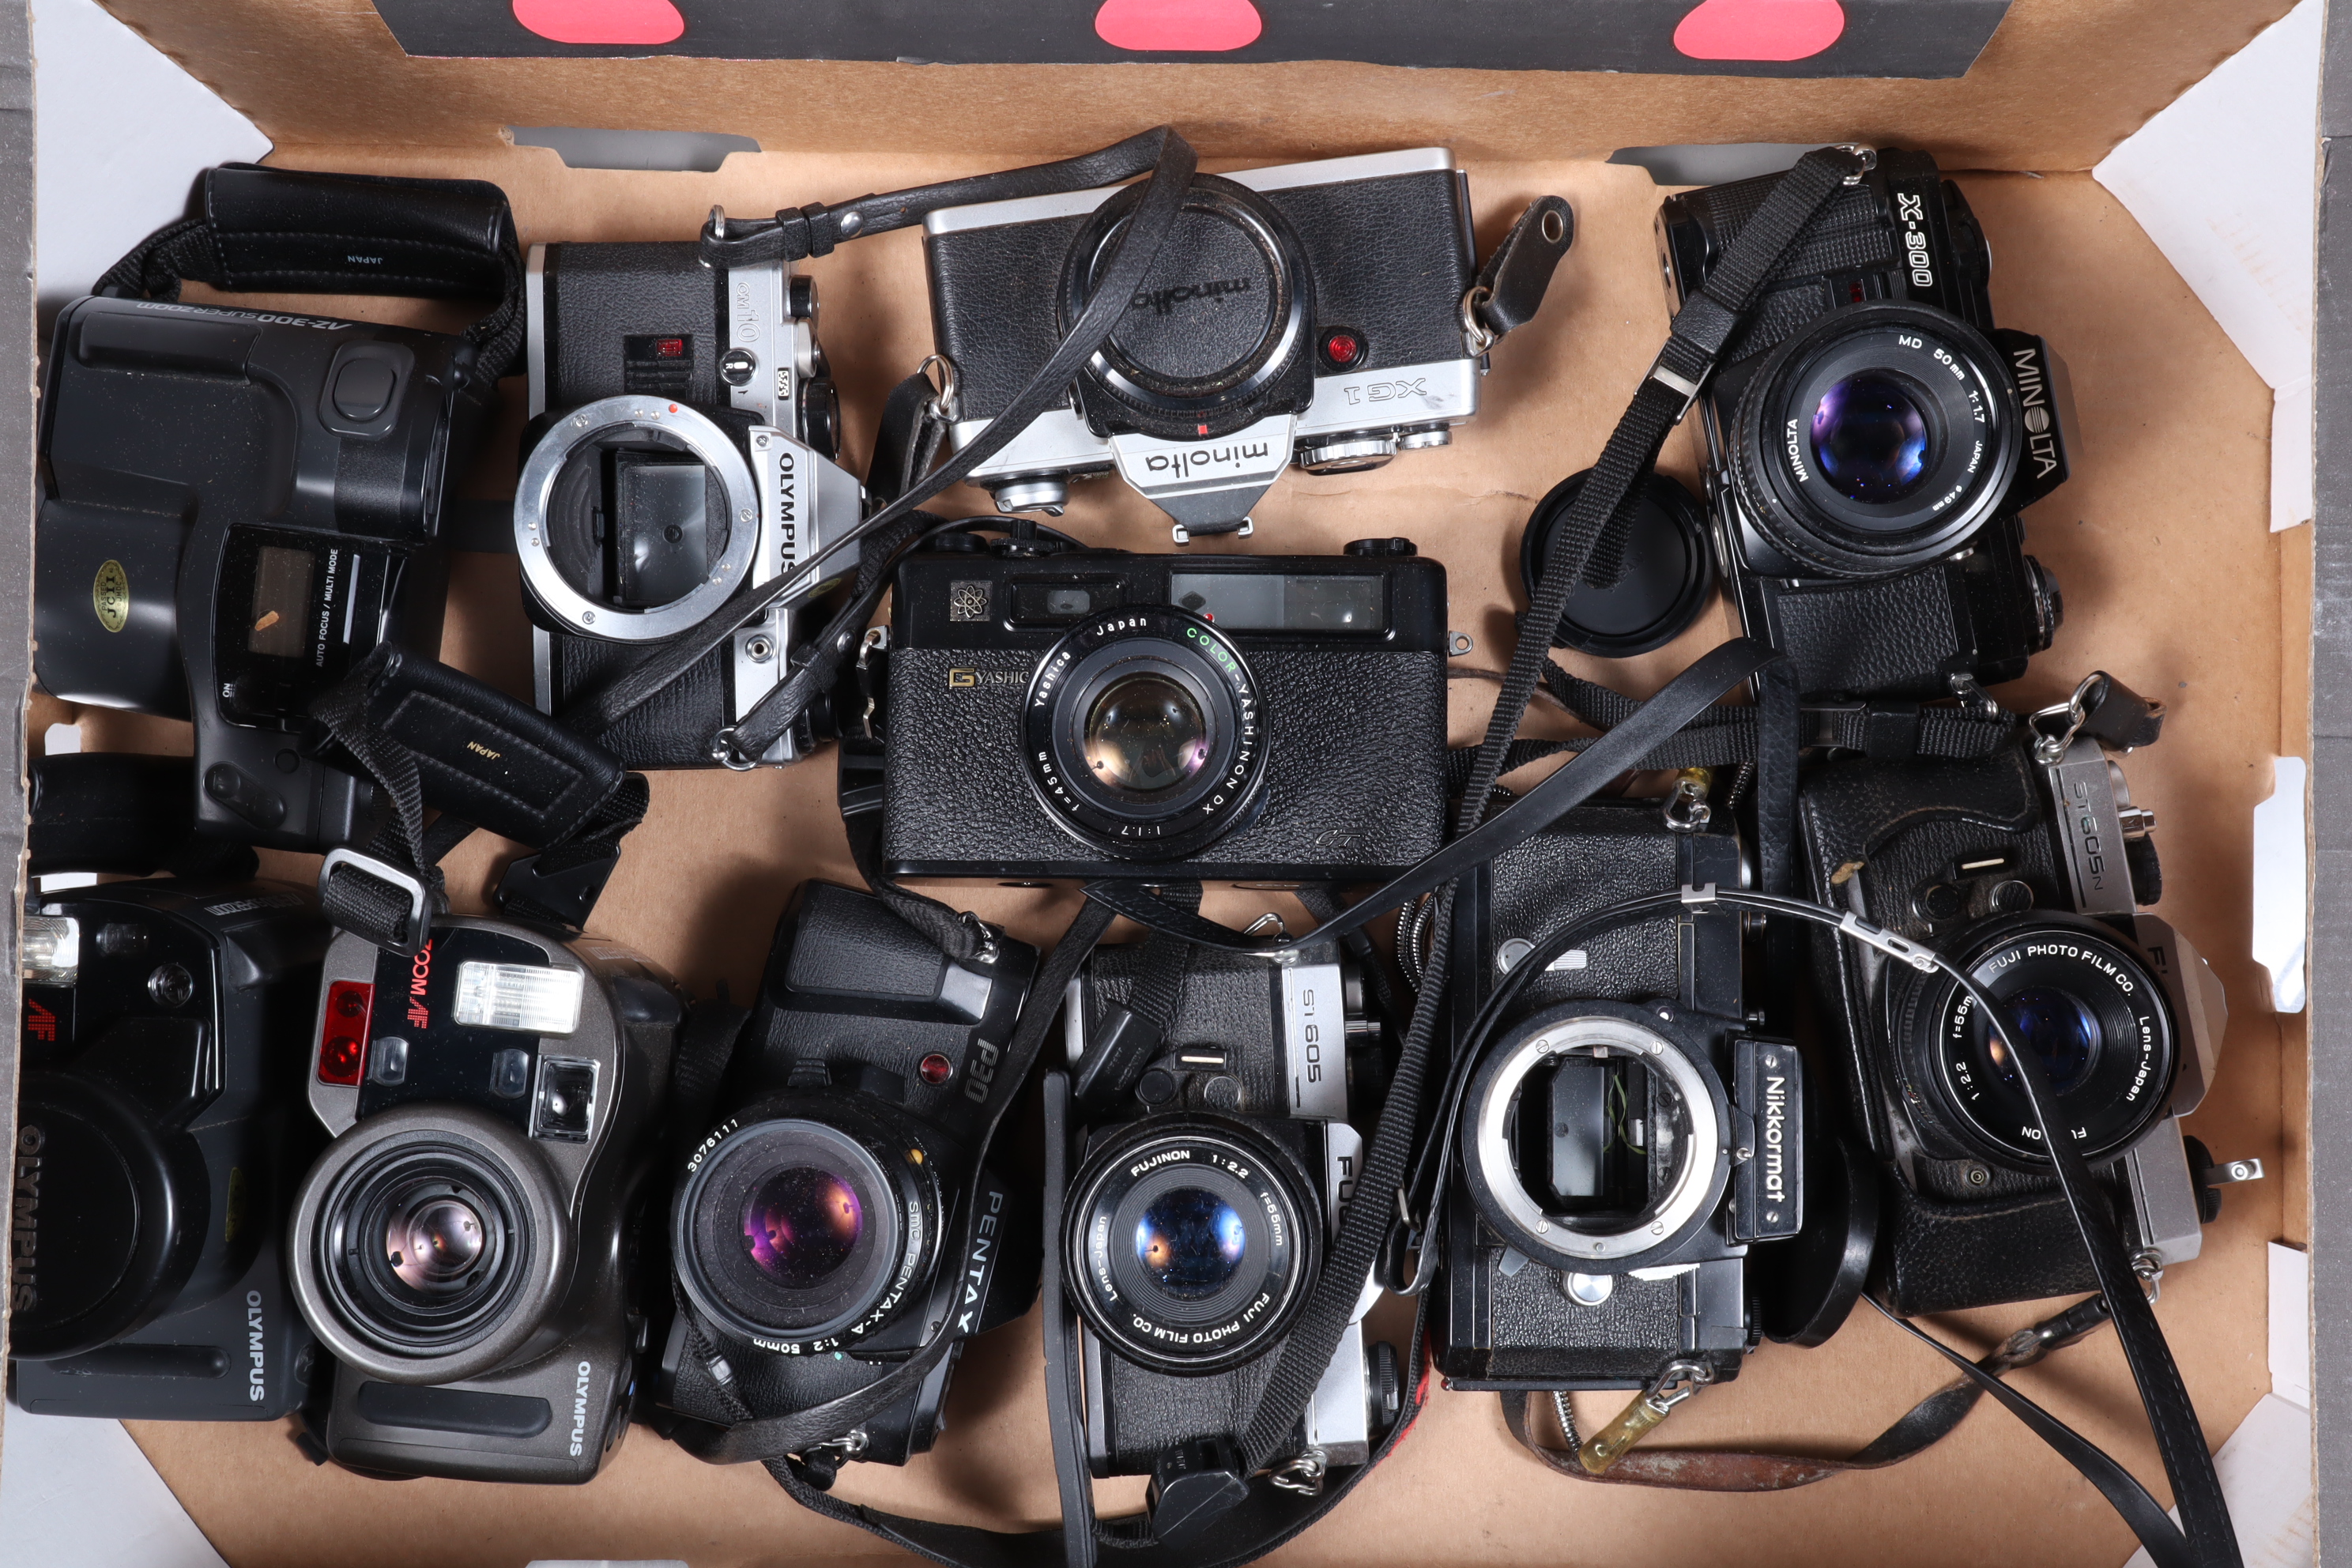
363	387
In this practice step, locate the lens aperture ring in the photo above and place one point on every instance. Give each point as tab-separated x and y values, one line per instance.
1878	440
2085	1002
1144	735
1191	1242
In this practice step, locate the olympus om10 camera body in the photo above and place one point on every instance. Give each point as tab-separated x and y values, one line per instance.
1627	1135
682	445
814	1230
1093	714
466	1246
156	1142
1310	313
2030	868
1871	436
1210	1175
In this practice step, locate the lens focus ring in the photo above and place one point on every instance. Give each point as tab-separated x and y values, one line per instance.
1191	1242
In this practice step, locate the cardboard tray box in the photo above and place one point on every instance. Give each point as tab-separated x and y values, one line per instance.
2171	579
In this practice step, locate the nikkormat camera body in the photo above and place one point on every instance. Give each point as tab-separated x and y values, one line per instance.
684	433
1871	436
1309	312
1208	1178
1628	1134
157	1140
815	1229
1093	714
2030	869
467	1245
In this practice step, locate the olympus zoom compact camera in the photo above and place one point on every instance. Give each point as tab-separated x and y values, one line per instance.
681	447
467	1245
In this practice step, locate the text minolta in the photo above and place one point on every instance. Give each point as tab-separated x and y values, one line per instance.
1161	300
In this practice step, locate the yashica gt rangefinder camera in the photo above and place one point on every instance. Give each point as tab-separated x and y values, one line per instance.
1628	1134
1098	714
1218	1147
156	1143
682	444
1310	313
2029	866
467	1246
1871	436
815	1231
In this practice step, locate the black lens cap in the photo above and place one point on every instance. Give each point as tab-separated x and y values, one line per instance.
1669	572
117	1214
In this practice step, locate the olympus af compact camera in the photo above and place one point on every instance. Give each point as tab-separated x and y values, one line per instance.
1093	714
1871	436
1312	313
467	1245
1628	1134
815	1229
2031	868
682	444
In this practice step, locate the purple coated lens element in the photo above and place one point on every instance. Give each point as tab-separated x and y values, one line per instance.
1870	436
1190	1243
802	1223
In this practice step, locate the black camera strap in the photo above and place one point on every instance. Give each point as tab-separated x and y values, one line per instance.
292	231
430	736
1164	155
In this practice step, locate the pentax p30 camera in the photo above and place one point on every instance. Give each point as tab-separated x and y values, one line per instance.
2031	867
1098	714
682	444
1313	314
155	1145
1220	1145
1871	436
467	1245
1627	1135
814	1230
239	506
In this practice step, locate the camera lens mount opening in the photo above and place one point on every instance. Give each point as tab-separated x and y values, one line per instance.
1593	1139
1191	1242
805	1228
636	517
1143	735
1878	439
2088	1007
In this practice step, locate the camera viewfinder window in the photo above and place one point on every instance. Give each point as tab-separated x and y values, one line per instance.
1307	602
281	602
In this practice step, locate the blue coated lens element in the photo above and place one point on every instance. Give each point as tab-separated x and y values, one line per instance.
1870	436
1190	1243
2055	1026
801	1224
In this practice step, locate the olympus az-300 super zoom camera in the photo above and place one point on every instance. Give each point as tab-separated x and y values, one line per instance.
155	1145
1310	313
815	1230
466	1245
1098	714
2030	868
682	445
1871	436
1627	1135
1217	1148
